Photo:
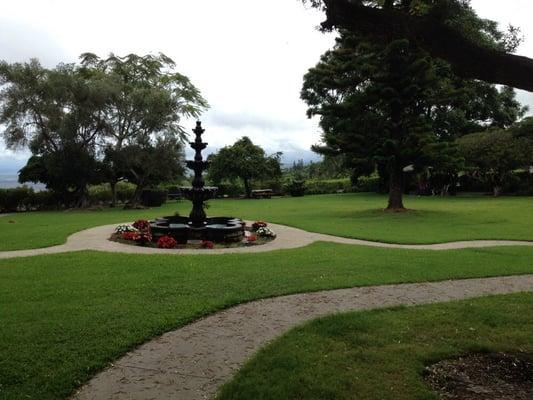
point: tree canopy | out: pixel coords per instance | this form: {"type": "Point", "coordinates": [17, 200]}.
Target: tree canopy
{"type": "Point", "coordinates": [243, 160]}
{"type": "Point", "coordinates": [77, 118]}
{"type": "Point", "coordinates": [493, 155]}
{"type": "Point", "coordinates": [446, 29]}
{"type": "Point", "coordinates": [394, 107]}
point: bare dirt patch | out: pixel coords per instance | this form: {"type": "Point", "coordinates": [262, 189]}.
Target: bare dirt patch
{"type": "Point", "coordinates": [496, 376]}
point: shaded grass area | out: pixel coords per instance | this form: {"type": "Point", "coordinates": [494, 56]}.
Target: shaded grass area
{"type": "Point", "coordinates": [64, 317]}
{"type": "Point", "coordinates": [382, 354]}
{"type": "Point", "coordinates": [432, 220]}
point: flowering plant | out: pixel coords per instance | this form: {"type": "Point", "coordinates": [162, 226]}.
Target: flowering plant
{"type": "Point", "coordinates": [265, 232]}
{"type": "Point", "coordinates": [166, 242]}
{"type": "Point", "coordinates": [251, 238]}
{"type": "Point", "coordinates": [139, 237]}
{"type": "Point", "coordinates": [258, 224]}
{"type": "Point", "coordinates": [125, 228]}
{"type": "Point", "coordinates": [142, 225]}
{"type": "Point", "coordinates": [207, 244]}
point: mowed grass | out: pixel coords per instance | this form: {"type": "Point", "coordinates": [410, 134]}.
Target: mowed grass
{"type": "Point", "coordinates": [66, 316]}
{"type": "Point", "coordinates": [382, 354]}
{"type": "Point", "coordinates": [431, 220]}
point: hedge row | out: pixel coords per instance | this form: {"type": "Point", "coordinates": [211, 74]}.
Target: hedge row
{"type": "Point", "coordinates": [25, 198]}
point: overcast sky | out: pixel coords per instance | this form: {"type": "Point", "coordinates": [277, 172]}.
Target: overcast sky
{"type": "Point", "coordinates": [247, 57]}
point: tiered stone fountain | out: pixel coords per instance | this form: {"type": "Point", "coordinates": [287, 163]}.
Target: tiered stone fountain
{"type": "Point", "coordinates": [198, 226]}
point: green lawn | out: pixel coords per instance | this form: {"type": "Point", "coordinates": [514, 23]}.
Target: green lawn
{"type": "Point", "coordinates": [381, 354]}
{"type": "Point", "coordinates": [352, 215]}
{"type": "Point", "coordinates": [64, 317]}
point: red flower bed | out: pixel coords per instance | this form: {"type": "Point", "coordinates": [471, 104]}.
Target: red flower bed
{"type": "Point", "coordinates": [251, 238]}
{"type": "Point", "coordinates": [142, 225]}
{"type": "Point", "coordinates": [206, 244]}
{"type": "Point", "coordinates": [139, 237]}
{"type": "Point", "coordinates": [166, 242]}
{"type": "Point", "coordinates": [258, 224]}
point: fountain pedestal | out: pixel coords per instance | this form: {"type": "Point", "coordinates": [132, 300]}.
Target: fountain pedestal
{"type": "Point", "coordinates": [198, 226]}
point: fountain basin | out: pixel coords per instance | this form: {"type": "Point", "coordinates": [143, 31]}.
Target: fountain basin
{"type": "Point", "coordinates": [215, 229]}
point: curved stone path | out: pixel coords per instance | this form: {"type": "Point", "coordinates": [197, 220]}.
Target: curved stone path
{"type": "Point", "coordinates": [287, 238]}
{"type": "Point", "coordinates": [194, 361]}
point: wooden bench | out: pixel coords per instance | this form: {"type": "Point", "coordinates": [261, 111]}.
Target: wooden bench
{"type": "Point", "coordinates": [262, 193]}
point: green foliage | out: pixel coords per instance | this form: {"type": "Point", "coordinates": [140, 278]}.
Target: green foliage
{"type": "Point", "coordinates": [368, 183]}
{"type": "Point", "coordinates": [389, 103]}
{"type": "Point", "coordinates": [243, 160]}
{"type": "Point", "coordinates": [493, 155]}
{"type": "Point", "coordinates": [12, 200]}
{"type": "Point", "coordinates": [70, 114]}
{"type": "Point", "coordinates": [153, 197]}
{"type": "Point", "coordinates": [57, 113]}
{"type": "Point", "coordinates": [296, 188]}
{"type": "Point", "coordinates": [326, 186]}
{"type": "Point", "coordinates": [148, 163]}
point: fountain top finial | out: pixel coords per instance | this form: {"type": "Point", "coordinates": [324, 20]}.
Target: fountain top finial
{"type": "Point", "coordinates": [198, 130]}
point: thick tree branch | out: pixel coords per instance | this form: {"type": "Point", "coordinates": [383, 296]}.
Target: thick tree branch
{"type": "Point", "coordinates": [468, 59]}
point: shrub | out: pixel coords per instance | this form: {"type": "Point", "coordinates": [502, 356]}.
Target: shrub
{"type": "Point", "coordinates": [125, 191]}
{"type": "Point", "coordinates": [368, 184]}
{"type": "Point", "coordinates": [166, 242]}
{"type": "Point", "coordinates": [327, 186]}
{"type": "Point", "coordinates": [153, 197]}
{"type": "Point", "coordinates": [43, 200]}
{"type": "Point", "coordinates": [99, 194]}
{"type": "Point", "coordinates": [15, 199]}
{"type": "Point", "coordinates": [296, 188]}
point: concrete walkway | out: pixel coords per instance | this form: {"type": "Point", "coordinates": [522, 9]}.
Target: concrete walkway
{"type": "Point", "coordinates": [194, 361]}
{"type": "Point", "coordinates": [287, 238]}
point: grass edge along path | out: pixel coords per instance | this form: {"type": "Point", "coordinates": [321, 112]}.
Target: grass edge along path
{"type": "Point", "coordinates": [360, 216]}
{"type": "Point", "coordinates": [67, 316]}
{"type": "Point", "coordinates": [382, 354]}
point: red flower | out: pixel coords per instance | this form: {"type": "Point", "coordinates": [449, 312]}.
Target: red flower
{"type": "Point", "coordinates": [130, 235]}
{"type": "Point", "coordinates": [139, 237]}
{"type": "Point", "coordinates": [142, 225]}
{"type": "Point", "coordinates": [251, 238]}
{"type": "Point", "coordinates": [166, 242]}
{"type": "Point", "coordinates": [206, 244]}
{"type": "Point", "coordinates": [258, 224]}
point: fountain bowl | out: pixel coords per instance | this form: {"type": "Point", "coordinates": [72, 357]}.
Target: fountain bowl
{"type": "Point", "coordinates": [215, 229]}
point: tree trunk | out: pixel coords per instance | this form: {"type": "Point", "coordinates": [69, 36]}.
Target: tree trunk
{"type": "Point", "coordinates": [497, 190]}
{"type": "Point", "coordinates": [82, 197]}
{"type": "Point", "coordinates": [247, 188]}
{"type": "Point", "coordinates": [113, 185]}
{"type": "Point", "coordinates": [396, 190]}
{"type": "Point", "coordinates": [136, 199]}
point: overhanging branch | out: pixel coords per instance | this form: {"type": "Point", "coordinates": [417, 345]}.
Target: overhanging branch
{"type": "Point", "coordinates": [468, 59]}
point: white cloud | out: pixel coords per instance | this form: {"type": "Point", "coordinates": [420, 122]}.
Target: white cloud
{"type": "Point", "coordinates": [247, 57]}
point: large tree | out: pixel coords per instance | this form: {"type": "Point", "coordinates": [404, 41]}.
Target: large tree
{"type": "Point", "coordinates": [243, 160]}
{"type": "Point", "coordinates": [446, 29]}
{"type": "Point", "coordinates": [58, 114]}
{"type": "Point", "coordinates": [148, 98]}
{"type": "Point", "coordinates": [73, 115]}
{"type": "Point", "coordinates": [493, 155]}
{"type": "Point", "coordinates": [394, 107]}
{"type": "Point", "coordinates": [147, 163]}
